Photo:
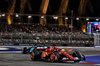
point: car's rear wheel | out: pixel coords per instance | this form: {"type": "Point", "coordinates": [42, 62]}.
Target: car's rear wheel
{"type": "Point", "coordinates": [35, 55]}
{"type": "Point", "coordinates": [57, 56]}
{"type": "Point", "coordinates": [52, 57]}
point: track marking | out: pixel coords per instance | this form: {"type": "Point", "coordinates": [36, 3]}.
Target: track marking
{"type": "Point", "coordinates": [97, 64]}
{"type": "Point", "coordinates": [61, 63]}
{"type": "Point", "coordinates": [89, 63]}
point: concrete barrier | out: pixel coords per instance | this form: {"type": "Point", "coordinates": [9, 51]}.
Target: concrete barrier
{"type": "Point", "coordinates": [18, 49]}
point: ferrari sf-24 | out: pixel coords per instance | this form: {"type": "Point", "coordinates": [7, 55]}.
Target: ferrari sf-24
{"type": "Point", "coordinates": [56, 54]}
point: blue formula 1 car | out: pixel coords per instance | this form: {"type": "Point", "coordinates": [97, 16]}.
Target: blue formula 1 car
{"type": "Point", "coordinates": [30, 49]}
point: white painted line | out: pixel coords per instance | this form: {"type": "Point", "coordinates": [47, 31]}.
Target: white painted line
{"type": "Point", "coordinates": [61, 64]}
{"type": "Point", "coordinates": [97, 64]}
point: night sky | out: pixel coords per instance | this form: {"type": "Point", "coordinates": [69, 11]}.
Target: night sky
{"type": "Point", "coordinates": [53, 6]}
{"type": "Point", "coordinates": [96, 6]}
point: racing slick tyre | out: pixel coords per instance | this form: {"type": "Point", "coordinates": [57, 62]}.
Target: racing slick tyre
{"type": "Point", "coordinates": [54, 57]}
{"type": "Point", "coordinates": [77, 54]}
{"type": "Point", "coordinates": [35, 55]}
{"type": "Point", "coordinates": [57, 56]}
{"type": "Point", "coordinates": [25, 50]}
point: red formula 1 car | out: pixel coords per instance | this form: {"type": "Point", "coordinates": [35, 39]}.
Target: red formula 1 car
{"type": "Point", "coordinates": [57, 54]}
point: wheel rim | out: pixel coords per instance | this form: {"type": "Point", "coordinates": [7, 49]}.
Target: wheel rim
{"type": "Point", "coordinates": [56, 58]}
{"type": "Point", "coordinates": [52, 57]}
{"type": "Point", "coordinates": [32, 55]}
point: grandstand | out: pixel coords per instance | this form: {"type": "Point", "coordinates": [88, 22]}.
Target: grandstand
{"type": "Point", "coordinates": [50, 34]}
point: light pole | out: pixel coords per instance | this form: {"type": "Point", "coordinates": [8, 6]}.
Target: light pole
{"type": "Point", "coordinates": [29, 18]}
{"type": "Point", "coordinates": [71, 24]}
{"type": "Point", "coordinates": [42, 17]}
{"type": "Point", "coordinates": [55, 17]}
{"type": "Point", "coordinates": [71, 21]}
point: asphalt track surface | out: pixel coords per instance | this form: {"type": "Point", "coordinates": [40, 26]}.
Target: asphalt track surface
{"type": "Point", "coordinates": [24, 60]}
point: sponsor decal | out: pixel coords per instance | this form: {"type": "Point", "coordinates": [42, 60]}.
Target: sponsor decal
{"type": "Point", "coordinates": [3, 48]}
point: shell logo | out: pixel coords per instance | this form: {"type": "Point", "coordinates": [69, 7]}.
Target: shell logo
{"type": "Point", "coordinates": [44, 55]}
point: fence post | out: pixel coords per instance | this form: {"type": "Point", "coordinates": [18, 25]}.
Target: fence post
{"type": "Point", "coordinates": [11, 37]}
{"type": "Point", "coordinates": [21, 38]}
{"type": "Point", "coordinates": [0, 36]}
